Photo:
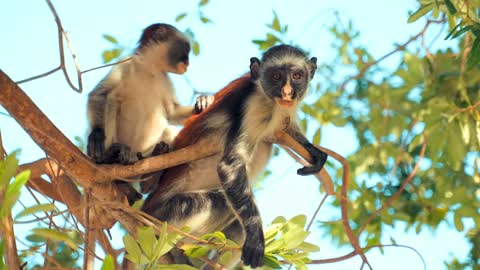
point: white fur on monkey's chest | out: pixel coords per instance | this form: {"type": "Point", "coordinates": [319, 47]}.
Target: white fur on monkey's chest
{"type": "Point", "coordinates": [261, 120]}
{"type": "Point", "coordinates": [142, 114]}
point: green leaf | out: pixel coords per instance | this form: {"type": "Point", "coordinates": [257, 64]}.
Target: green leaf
{"type": "Point", "coordinates": [180, 16]}
{"type": "Point", "coordinates": [2, 250]}
{"type": "Point", "coordinates": [308, 247]}
{"type": "Point", "coordinates": [147, 240]}
{"type": "Point", "coordinates": [110, 38]}
{"type": "Point", "coordinates": [451, 8]}
{"type": "Point", "coordinates": [175, 267]}
{"type": "Point", "coordinates": [455, 147]}
{"type": "Point", "coordinates": [134, 253]}
{"type": "Point", "coordinates": [196, 48]}
{"type": "Point", "coordinates": [225, 258]}
{"type": "Point", "coordinates": [453, 31]}
{"type": "Point", "coordinates": [276, 23]}
{"type": "Point", "coordinates": [477, 131]}
{"type": "Point", "coordinates": [13, 192]}
{"type": "Point", "coordinates": [55, 235]}
{"type": "Point", "coordinates": [316, 137]}
{"type": "Point", "coordinates": [294, 238]}
{"type": "Point", "coordinates": [461, 31]}
{"type": "Point", "coordinates": [299, 220]}
{"type": "Point", "coordinates": [216, 235]}
{"type": "Point", "coordinates": [420, 12]}
{"type": "Point", "coordinates": [457, 219]}
{"type": "Point", "coordinates": [474, 56]}
{"type": "Point", "coordinates": [47, 207]}
{"type": "Point", "coordinates": [112, 54]}
{"type": "Point", "coordinates": [108, 263]}
{"type": "Point", "coordinates": [197, 251]}
{"type": "Point", "coordinates": [303, 125]}
{"type": "Point", "coordinates": [36, 238]}
{"type": "Point", "coordinates": [279, 219]}
{"type": "Point", "coordinates": [272, 262]}
{"type": "Point", "coordinates": [8, 168]}
{"type": "Point", "coordinates": [205, 19]}
{"type": "Point", "coordinates": [203, 2]}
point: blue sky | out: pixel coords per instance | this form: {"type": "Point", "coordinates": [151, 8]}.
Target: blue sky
{"type": "Point", "coordinates": [29, 47]}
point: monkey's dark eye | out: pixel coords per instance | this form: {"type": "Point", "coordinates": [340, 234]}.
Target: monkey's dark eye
{"type": "Point", "coordinates": [276, 76]}
{"type": "Point", "coordinates": [297, 75]}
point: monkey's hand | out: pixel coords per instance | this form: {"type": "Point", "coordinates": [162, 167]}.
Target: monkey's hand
{"type": "Point", "coordinates": [96, 145]}
{"type": "Point", "coordinates": [319, 159]}
{"type": "Point", "coordinates": [202, 103]}
{"type": "Point", "coordinates": [253, 249]}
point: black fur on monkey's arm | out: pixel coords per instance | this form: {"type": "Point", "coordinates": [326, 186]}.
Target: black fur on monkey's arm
{"type": "Point", "coordinates": [318, 156]}
{"type": "Point", "coordinates": [233, 177]}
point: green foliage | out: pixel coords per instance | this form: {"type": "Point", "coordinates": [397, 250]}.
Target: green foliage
{"type": "Point", "coordinates": [2, 251]}
{"type": "Point", "coordinates": [431, 99]}
{"type": "Point", "coordinates": [461, 16]}
{"type": "Point", "coordinates": [108, 263]}
{"type": "Point", "coordinates": [115, 52]}
{"type": "Point", "coordinates": [66, 237]}
{"type": "Point", "coordinates": [10, 190]}
{"type": "Point", "coordinates": [285, 240]}
{"type": "Point", "coordinates": [47, 207]}
{"type": "Point", "coordinates": [146, 250]}
{"type": "Point", "coordinates": [276, 35]}
{"type": "Point", "coordinates": [60, 253]}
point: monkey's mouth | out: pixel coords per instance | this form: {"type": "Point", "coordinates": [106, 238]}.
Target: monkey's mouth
{"type": "Point", "coordinates": [284, 103]}
{"type": "Point", "coordinates": [182, 67]}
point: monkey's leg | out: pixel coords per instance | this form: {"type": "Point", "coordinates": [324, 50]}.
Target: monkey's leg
{"type": "Point", "coordinates": [120, 153]}
{"type": "Point", "coordinates": [151, 179]}
{"type": "Point", "coordinates": [202, 212]}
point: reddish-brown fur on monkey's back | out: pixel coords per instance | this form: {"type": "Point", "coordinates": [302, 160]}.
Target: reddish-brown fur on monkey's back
{"type": "Point", "coordinates": [193, 125]}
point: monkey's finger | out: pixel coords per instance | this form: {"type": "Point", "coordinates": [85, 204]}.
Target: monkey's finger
{"type": "Point", "coordinates": [308, 170]}
{"type": "Point", "coordinates": [198, 108]}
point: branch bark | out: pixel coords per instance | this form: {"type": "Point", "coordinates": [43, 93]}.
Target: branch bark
{"type": "Point", "coordinates": [8, 235]}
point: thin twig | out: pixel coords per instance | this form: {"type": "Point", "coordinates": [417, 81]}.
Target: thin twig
{"type": "Point", "coordinates": [316, 212]}
{"type": "Point", "coordinates": [107, 65]}
{"type": "Point", "coordinates": [40, 75]}
{"type": "Point", "coordinates": [344, 203]}
{"type": "Point", "coordinates": [62, 66]}
{"type": "Point", "coordinates": [399, 48]}
{"type": "Point", "coordinates": [353, 254]}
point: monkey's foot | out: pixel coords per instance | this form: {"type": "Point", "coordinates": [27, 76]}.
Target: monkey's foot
{"type": "Point", "coordinates": [118, 153]}
{"type": "Point", "coordinates": [126, 189]}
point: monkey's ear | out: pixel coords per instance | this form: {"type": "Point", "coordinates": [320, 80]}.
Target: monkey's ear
{"type": "Point", "coordinates": [312, 65]}
{"type": "Point", "coordinates": [254, 68]}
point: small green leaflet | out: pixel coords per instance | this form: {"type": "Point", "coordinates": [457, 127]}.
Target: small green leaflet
{"type": "Point", "coordinates": [420, 12]}
{"type": "Point", "coordinates": [108, 263]}
{"type": "Point", "coordinates": [36, 208]}
{"type": "Point", "coordinates": [110, 38]}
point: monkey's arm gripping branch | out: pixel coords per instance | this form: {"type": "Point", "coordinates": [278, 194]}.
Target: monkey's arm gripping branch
{"type": "Point", "coordinates": [284, 139]}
